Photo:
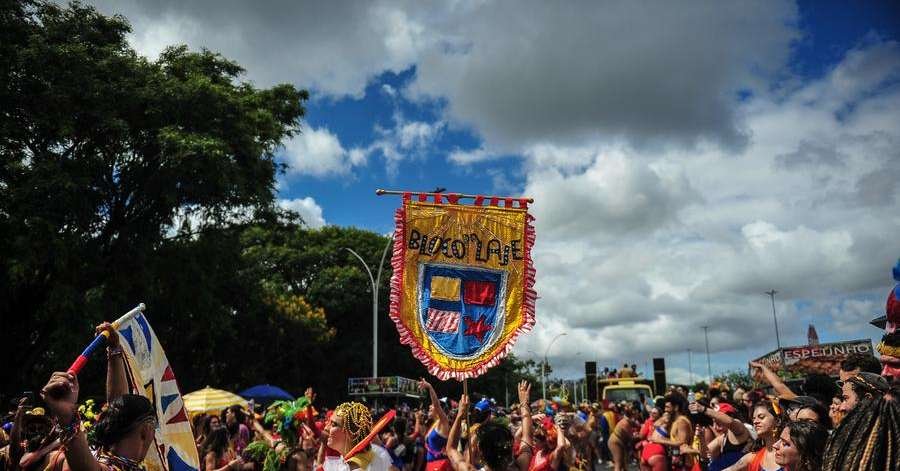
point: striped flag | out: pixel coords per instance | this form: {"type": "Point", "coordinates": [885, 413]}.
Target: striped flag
{"type": "Point", "coordinates": [150, 375]}
{"type": "Point", "coordinates": [442, 321]}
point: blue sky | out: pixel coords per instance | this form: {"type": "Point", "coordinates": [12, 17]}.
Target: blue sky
{"type": "Point", "coordinates": [684, 159]}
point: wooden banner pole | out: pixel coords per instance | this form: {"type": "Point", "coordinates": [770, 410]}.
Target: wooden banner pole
{"type": "Point", "coordinates": [381, 192]}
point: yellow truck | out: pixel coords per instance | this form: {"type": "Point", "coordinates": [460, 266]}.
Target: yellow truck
{"type": "Point", "coordinates": [625, 389]}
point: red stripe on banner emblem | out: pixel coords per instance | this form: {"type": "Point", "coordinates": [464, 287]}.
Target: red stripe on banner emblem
{"type": "Point", "coordinates": [442, 321]}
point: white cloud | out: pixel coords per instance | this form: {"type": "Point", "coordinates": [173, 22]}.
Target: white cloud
{"type": "Point", "coordinates": [664, 73]}
{"type": "Point", "coordinates": [307, 208]}
{"type": "Point", "coordinates": [318, 152]}
{"type": "Point", "coordinates": [469, 156]}
{"type": "Point", "coordinates": [515, 72]}
{"type": "Point", "coordinates": [332, 47]}
{"type": "Point", "coordinates": [638, 249]}
{"type": "Point", "coordinates": [406, 139]}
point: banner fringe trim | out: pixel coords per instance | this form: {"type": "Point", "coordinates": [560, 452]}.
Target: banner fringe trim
{"type": "Point", "coordinates": [406, 337]}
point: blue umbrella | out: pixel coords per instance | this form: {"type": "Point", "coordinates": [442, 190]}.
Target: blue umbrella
{"type": "Point", "coordinates": [263, 392]}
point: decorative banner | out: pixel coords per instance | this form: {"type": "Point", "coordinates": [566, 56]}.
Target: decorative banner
{"type": "Point", "coordinates": [824, 358]}
{"type": "Point", "coordinates": [462, 289]}
{"type": "Point", "coordinates": [150, 375]}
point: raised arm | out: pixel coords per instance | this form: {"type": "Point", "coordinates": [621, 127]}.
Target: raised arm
{"type": "Point", "coordinates": [417, 427]}
{"type": "Point", "coordinates": [61, 396]}
{"type": "Point", "coordinates": [16, 450]}
{"type": "Point", "coordinates": [116, 381]}
{"type": "Point", "coordinates": [735, 426]}
{"type": "Point", "coordinates": [262, 432]}
{"type": "Point", "coordinates": [523, 460]}
{"type": "Point", "coordinates": [561, 445]}
{"type": "Point", "coordinates": [443, 426]}
{"type": "Point", "coordinates": [457, 460]}
{"type": "Point", "coordinates": [774, 380]}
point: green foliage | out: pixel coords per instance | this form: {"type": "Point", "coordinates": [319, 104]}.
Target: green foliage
{"type": "Point", "coordinates": [735, 379]}
{"type": "Point", "coordinates": [261, 453]}
{"type": "Point", "coordinates": [101, 153]}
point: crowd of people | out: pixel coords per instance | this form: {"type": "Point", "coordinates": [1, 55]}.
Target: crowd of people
{"type": "Point", "coordinates": [849, 424]}
{"type": "Point", "coordinates": [625, 372]}
{"type": "Point", "coordinates": [852, 423]}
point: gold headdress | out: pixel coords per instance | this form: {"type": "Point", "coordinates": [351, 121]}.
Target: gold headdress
{"type": "Point", "coordinates": [357, 420]}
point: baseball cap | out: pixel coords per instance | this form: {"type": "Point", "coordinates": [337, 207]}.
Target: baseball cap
{"type": "Point", "coordinates": [726, 408]}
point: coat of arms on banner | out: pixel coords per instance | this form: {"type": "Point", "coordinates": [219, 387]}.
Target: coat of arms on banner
{"type": "Point", "coordinates": [462, 289]}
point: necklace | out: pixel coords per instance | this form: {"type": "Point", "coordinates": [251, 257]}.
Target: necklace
{"type": "Point", "coordinates": [119, 462]}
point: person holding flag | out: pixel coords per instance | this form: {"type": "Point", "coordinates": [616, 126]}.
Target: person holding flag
{"type": "Point", "coordinates": [125, 431]}
{"type": "Point", "coordinates": [145, 425]}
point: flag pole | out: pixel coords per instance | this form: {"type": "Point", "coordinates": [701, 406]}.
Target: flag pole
{"type": "Point", "coordinates": [382, 192]}
{"type": "Point", "coordinates": [82, 359]}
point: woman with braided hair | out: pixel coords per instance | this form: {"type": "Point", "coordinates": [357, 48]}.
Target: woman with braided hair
{"type": "Point", "coordinates": [348, 426]}
{"type": "Point", "coordinates": [867, 438]}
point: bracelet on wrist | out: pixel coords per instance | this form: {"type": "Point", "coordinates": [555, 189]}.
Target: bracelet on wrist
{"type": "Point", "coordinates": [66, 432]}
{"type": "Point", "coordinates": [113, 352]}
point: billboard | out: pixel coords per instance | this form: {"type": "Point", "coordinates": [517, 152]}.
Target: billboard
{"type": "Point", "coordinates": [824, 358]}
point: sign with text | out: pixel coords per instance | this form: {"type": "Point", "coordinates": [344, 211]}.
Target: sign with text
{"type": "Point", "coordinates": [824, 358]}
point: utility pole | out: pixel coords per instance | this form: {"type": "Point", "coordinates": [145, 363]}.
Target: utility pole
{"type": "Point", "coordinates": [690, 366]}
{"type": "Point", "coordinates": [708, 364]}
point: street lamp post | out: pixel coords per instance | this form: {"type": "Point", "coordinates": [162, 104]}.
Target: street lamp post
{"type": "Point", "coordinates": [376, 283]}
{"type": "Point", "coordinates": [575, 383]}
{"type": "Point", "coordinates": [771, 294]}
{"type": "Point", "coordinates": [690, 366]}
{"type": "Point", "coordinates": [544, 366]}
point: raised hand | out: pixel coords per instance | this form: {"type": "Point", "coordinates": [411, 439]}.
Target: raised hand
{"type": "Point", "coordinates": [696, 408]}
{"type": "Point", "coordinates": [113, 340]}
{"type": "Point", "coordinates": [61, 395]}
{"type": "Point", "coordinates": [525, 393]}
{"type": "Point", "coordinates": [310, 394]}
{"type": "Point", "coordinates": [423, 384]}
{"type": "Point", "coordinates": [463, 403]}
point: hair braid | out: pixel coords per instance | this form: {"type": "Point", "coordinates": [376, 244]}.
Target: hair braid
{"type": "Point", "coordinates": [865, 438]}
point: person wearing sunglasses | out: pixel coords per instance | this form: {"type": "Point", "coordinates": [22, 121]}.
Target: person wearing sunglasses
{"type": "Point", "coordinates": [806, 408]}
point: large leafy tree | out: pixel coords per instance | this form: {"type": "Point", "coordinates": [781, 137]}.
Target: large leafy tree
{"type": "Point", "coordinates": [124, 179]}
{"type": "Point", "coordinates": [102, 153]}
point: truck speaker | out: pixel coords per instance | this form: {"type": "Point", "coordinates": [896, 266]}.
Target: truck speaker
{"type": "Point", "coordinates": [590, 374]}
